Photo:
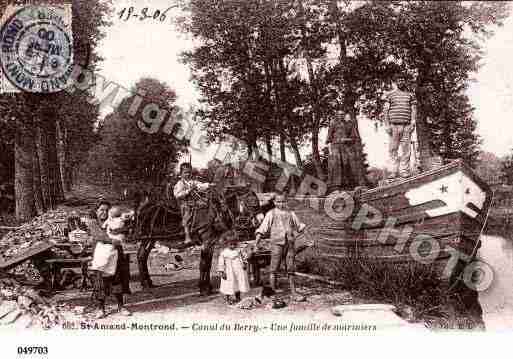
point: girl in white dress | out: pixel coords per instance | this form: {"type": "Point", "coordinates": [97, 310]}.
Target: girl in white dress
{"type": "Point", "coordinates": [232, 267]}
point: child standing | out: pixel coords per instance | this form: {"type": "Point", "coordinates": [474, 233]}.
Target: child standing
{"type": "Point", "coordinates": [116, 227]}
{"type": "Point", "coordinates": [280, 225]}
{"type": "Point", "coordinates": [232, 267]}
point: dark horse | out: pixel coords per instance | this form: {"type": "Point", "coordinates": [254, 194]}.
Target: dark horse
{"type": "Point", "coordinates": [215, 213]}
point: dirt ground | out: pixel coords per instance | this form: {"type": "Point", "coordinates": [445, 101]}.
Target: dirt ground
{"type": "Point", "coordinates": [176, 303]}
{"type": "Point", "coordinates": [177, 293]}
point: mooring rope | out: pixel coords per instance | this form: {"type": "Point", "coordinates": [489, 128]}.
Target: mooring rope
{"type": "Point", "coordinates": [474, 251]}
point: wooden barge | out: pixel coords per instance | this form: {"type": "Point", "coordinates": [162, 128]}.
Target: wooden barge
{"type": "Point", "coordinates": [426, 218]}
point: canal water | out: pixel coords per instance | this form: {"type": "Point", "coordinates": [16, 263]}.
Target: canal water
{"type": "Point", "coordinates": [497, 300]}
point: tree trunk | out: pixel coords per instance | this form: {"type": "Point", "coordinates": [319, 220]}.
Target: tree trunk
{"type": "Point", "coordinates": [283, 154]}
{"type": "Point", "coordinates": [423, 137]}
{"type": "Point", "coordinates": [38, 196]}
{"type": "Point", "coordinates": [269, 147]}
{"type": "Point", "coordinates": [297, 154]}
{"type": "Point", "coordinates": [273, 103]}
{"type": "Point", "coordinates": [314, 100]}
{"type": "Point", "coordinates": [23, 167]}
{"type": "Point", "coordinates": [62, 154]}
{"type": "Point", "coordinates": [316, 157]}
{"type": "Point", "coordinates": [42, 155]}
{"type": "Point", "coordinates": [249, 148]}
{"type": "Point", "coordinates": [56, 189]}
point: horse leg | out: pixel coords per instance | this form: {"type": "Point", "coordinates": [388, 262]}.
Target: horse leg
{"type": "Point", "coordinates": [142, 261]}
{"type": "Point", "coordinates": [206, 256]}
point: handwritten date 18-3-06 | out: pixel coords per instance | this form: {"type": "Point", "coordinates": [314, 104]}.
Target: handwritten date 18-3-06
{"type": "Point", "coordinates": [131, 13]}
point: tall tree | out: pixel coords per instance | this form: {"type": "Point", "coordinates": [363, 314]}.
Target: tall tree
{"type": "Point", "coordinates": [37, 114]}
{"type": "Point", "coordinates": [439, 46]}
{"type": "Point", "coordinates": [269, 68]}
{"type": "Point", "coordinates": [24, 154]}
{"type": "Point", "coordinates": [134, 145]}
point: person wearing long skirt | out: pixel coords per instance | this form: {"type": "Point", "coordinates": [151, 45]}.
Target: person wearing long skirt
{"type": "Point", "coordinates": [232, 267]}
{"type": "Point", "coordinates": [107, 284]}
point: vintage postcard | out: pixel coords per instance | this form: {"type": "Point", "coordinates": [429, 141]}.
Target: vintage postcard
{"type": "Point", "coordinates": [253, 168]}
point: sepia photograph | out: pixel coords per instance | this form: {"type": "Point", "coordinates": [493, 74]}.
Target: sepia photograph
{"type": "Point", "coordinates": [254, 168]}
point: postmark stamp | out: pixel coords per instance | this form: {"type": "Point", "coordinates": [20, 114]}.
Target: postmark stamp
{"type": "Point", "coordinates": [36, 49]}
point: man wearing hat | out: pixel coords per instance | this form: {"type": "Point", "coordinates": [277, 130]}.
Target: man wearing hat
{"type": "Point", "coordinates": [182, 192]}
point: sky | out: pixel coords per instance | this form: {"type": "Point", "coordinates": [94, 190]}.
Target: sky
{"type": "Point", "coordinates": [133, 49]}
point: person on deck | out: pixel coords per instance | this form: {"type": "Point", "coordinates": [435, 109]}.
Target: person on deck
{"type": "Point", "coordinates": [400, 117]}
{"type": "Point", "coordinates": [183, 193]}
{"type": "Point", "coordinates": [344, 170]}
{"type": "Point", "coordinates": [280, 224]}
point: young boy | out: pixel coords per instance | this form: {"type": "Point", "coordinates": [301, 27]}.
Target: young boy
{"type": "Point", "coordinates": [182, 192]}
{"type": "Point", "coordinates": [280, 224]}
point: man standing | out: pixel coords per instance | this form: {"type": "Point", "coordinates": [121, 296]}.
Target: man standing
{"type": "Point", "coordinates": [182, 192]}
{"type": "Point", "coordinates": [220, 177]}
{"type": "Point", "coordinates": [400, 117]}
{"type": "Point", "coordinates": [280, 224]}
{"type": "Point", "coordinates": [342, 140]}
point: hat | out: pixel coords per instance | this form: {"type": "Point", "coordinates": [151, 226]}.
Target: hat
{"type": "Point", "coordinates": [280, 197]}
{"type": "Point", "coordinates": [184, 166]}
{"type": "Point", "coordinates": [232, 240]}
{"type": "Point", "coordinates": [398, 77]}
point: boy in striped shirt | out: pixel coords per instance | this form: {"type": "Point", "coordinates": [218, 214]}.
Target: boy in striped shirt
{"type": "Point", "coordinates": [400, 117]}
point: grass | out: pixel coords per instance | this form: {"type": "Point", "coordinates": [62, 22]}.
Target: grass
{"type": "Point", "coordinates": [415, 289]}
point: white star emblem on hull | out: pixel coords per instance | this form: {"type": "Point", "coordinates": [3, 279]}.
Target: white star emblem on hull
{"type": "Point", "coordinates": [459, 190]}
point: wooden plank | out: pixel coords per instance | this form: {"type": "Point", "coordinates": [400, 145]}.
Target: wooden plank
{"type": "Point", "coordinates": [68, 260]}
{"type": "Point", "coordinates": [7, 228]}
{"type": "Point", "coordinates": [168, 237]}
{"type": "Point", "coordinates": [420, 223]}
{"type": "Point", "coordinates": [25, 255]}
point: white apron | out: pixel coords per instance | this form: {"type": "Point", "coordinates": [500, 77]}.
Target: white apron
{"type": "Point", "coordinates": [105, 259]}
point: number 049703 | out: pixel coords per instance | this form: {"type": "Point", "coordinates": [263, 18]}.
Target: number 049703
{"type": "Point", "coordinates": [32, 350]}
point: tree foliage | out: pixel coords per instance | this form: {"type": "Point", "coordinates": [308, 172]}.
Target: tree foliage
{"type": "Point", "coordinates": [269, 68]}
{"type": "Point", "coordinates": [128, 152]}
{"type": "Point", "coordinates": [438, 46]}
{"type": "Point", "coordinates": [507, 169]}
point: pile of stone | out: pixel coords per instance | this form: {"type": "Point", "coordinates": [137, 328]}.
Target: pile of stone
{"type": "Point", "coordinates": [48, 227]}
{"type": "Point", "coordinates": [23, 307]}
